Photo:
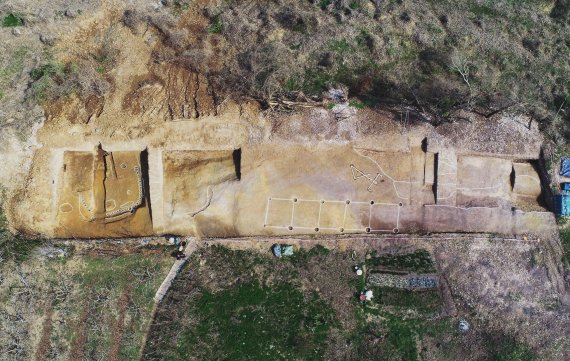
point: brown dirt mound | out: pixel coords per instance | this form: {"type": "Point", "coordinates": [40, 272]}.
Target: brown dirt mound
{"type": "Point", "coordinates": [171, 92]}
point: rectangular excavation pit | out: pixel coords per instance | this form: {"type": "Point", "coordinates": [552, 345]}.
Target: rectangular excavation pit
{"type": "Point", "coordinates": [190, 179]}
{"type": "Point", "coordinates": [483, 181]}
{"type": "Point", "coordinates": [527, 186]}
{"type": "Point", "coordinates": [357, 217]}
{"type": "Point", "coordinates": [103, 194]}
{"type": "Point", "coordinates": [279, 213]}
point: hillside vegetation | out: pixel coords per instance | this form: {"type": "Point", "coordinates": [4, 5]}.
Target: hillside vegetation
{"type": "Point", "coordinates": [437, 56]}
{"type": "Point", "coordinates": [63, 301]}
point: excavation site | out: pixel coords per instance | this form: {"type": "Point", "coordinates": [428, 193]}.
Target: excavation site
{"type": "Point", "coordinates": [285, 180]}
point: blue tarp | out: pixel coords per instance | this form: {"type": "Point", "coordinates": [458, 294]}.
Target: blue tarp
{"type": "Point", "coordinates": [565, 167]}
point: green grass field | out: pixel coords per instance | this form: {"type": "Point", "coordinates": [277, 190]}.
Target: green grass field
{"type": "Point", "coordinates": [238, 305]}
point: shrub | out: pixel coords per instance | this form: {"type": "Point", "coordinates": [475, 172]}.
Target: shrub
{"type": "Point", "coordinates": [357, 104]}
{"type": "Point", "coordinates": [84, 77]}
{"type": "Point", "coordinates": [179, 6]}
{"type": "Point", "coordinates": [12, 20]}
{"type": "Point", "coordinates": [46, 70]}
{"type": "Point", "coordinates": [45, 80]}
{"type": "Point", "coordinates": [323, 4]}
{"type": "Point", "coordinates": [354, 5]}
{"type": "Point", "coordinates": [508, 349]}
{"type": "Point", "coordinates": [14, 247]}
{"type": "Point", "coordinates": [216, 25]}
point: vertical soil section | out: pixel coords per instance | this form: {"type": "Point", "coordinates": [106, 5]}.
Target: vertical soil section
{"type": "Point", "coordinates": [146, 182]}
{"type": "Point", "coordinates": [99, 194]}
{"type": "Point", "coordinates": [237, 162]}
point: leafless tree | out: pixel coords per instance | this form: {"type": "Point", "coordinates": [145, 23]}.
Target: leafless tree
{"type": "Point", "coordinates": [463, 66]}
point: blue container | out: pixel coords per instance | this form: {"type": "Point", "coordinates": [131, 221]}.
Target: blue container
{"type": "Point", "coordinates": [565, 186]}
{"type": "Point", "coordinates": [565, 167]}
{"type": "Point", "coordinates": [562, 205]}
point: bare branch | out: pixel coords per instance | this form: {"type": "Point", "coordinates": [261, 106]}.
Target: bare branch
{"type": "Point", "coordinates": [462, 66]}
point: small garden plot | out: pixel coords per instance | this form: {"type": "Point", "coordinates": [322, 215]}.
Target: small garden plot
{"type": "Point", "coordinates": [419, 261]}
{"type": "Point", "coordinates": [425, 301]}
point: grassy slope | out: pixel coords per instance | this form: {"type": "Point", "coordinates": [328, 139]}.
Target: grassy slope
{"type": "Point", "coordinates": [399, 51]}
{"type": "Point", "coordinates": [79, 305]}
{"type": "Point", "coordinates": [11, 66]}
{"type": "Point", "coordinates": [439, 56]}
{"type": "Point", "coordinates": [565, 240]}
{"type": "Point", "coordinates": [236, 305]}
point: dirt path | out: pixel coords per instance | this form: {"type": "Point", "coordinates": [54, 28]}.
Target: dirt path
{"type": "Point", "coordinates": [358, 242]}
{"type": "Point", "coordinates": [78, 346]}
{"type": "Point", "coordinates": [45, 341]}
{"type": "Point", "coordinates": [191, 246]}
{"type": "Point", "coordinates": [555, 269]}
{"type": "Point", "coordinates": [119, 328]}
{"type": "Point", "coordinates": [448, 304]}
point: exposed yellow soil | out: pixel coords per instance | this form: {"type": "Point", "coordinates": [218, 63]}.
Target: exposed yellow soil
{"type": "Point", "coordinates": [159, 105]}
